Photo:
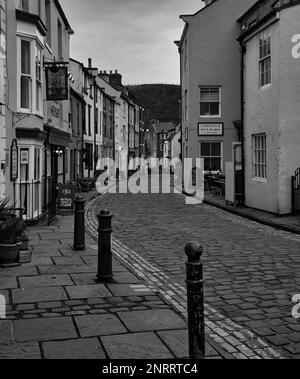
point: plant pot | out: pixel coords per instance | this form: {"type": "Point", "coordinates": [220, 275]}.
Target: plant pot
{"type": "Point", "coordinates": [24, 245]}
{"type": "Point", "coordinates": [9, 253]}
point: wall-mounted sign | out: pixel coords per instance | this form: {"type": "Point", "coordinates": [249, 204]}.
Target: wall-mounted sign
{"type": "Point", "coordinates": [57, 83]}
{"type": "Point", "coordinates": [24, 157]}
{"type": "Point", "coordinates": [14, 155]}
{"type": "Point", "coordinates": [210, 129]}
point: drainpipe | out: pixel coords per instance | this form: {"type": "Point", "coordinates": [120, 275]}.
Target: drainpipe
{"type": "Point", "coordinates": [242, 132]}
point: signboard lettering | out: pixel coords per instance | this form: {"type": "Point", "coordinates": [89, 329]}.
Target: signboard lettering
{"type": "Point", "coordinates": [66, 197]}
{"type": "Point", "coordinates": [211, 129]}
{"type": "Point", "coordinates": [57, 83]}
{"type": "Point", "coordinates": [14, 160]}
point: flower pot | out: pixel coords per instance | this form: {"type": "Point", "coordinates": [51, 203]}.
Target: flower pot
{"type": "Point", "coordinates": [9, 253]}
{"type": "Point", "coordinates": [24, 245]}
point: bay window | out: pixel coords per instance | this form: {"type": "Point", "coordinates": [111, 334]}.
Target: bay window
{"type": "Point", "coordinates": [30, 76]}
{"type": "Point", "coordinates": [38, 78]}
{"type": "Point", "coordinates": [26, 75]}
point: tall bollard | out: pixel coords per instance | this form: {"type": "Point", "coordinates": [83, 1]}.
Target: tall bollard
{"type": "Point", "coordinates": [105, 274]}
{"type": "Point", "coordinates": [79, 225]}
{"type": "Point", "coordinates": [195, 295]}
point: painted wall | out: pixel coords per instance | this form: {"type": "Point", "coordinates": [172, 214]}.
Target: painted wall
{"type": "Point", "coordinates": [213, 59]}
{"type": "Point", "coordinates": [54, 114]}
{"type": "Point", "coordinates": [261, 116]}
{"type": "Point", "coordinates": [2, 96]}
{"type": "Point", "coordinates": [289, 110]}
{"type": "Point", "coordinates": [274, 110]}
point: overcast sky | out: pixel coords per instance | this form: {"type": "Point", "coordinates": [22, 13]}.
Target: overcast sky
{"type": "Point", "coordinates": [134, 36]}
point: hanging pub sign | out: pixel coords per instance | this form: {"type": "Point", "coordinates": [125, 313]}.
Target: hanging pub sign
{"type": "Point", "coordinates": [56, 83]}
{"type": "Point", "coordinates": [14, 155]}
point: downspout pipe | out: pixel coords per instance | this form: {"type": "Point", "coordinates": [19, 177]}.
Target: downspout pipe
{"type": "Point", "coordinates": [242, 131]}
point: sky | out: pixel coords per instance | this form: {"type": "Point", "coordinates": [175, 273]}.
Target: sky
{"type": "Point", "coordinates": [134, 36]}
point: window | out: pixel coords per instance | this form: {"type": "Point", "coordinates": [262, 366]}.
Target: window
{"type": "Point", "coordinates": [48, 21]}
{"type": "Point", "coordinates": [259, 149]}
{"type": "Point", "coordinates": [37, 164]}
{"type": "Point", "coordinates": [96, 120]}
{"type": "Point", "coordinates": [24, 5]}
{"type": "Point", "coordinates": [38, 78]}
{"type": "Point", "coordinates": [26, 79]}
{"type": "Point", "coordinates": [212, 154]}
{"type": "Point", "coordinates": [88, 156]}
{"type": "Point", "coordinates": [71, 116]}
{"type": "Point", "coordinates": [60, 42]}
{"type": "Point", "coordinates": [30, 92]}
{"type": "Point", "coordinates": [78, 119]}
{"type": "Point", "coordinates": [265, 59]}
{"type": "Point", "coordinates": [210, 101]}
{"type": "Point", "coordinates": [90, 120]}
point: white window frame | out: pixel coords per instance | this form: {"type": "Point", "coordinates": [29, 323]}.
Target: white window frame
{"type": "Point", "coordinates": [33, 107]}
{"type": "Point", "coordinates": [222, 153]}
{"type": "Point", "coordinates": [259, 157]}
{"type": "Point", "coordinates": [39, 83]}
{"type": "Point", "coordinates": [265, 36]}
{"type": "Point", "coordinates": [220, 101]}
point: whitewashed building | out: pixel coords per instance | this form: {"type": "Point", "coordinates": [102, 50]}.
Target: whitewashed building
{"type": "Point", "coordinates": [2, 96]}
{"type": "Point", "coordinates": [271, 51]}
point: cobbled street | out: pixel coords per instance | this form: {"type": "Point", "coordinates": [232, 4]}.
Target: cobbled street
{"type": "Point", "coordinates": [251, 271]}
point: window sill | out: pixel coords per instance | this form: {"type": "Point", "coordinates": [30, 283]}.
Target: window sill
{"type": "Point", "coordinates": [211, 117]}
{"type": "Point", "coordinates": [260, 180]}
{"type": "Point", "coordinates": [266, 86]}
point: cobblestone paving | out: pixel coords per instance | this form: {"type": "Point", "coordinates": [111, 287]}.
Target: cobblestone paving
{"type": "Point", "coordinates": [56, 308]}
{"type": "Point", "coordinates": [251, 271]}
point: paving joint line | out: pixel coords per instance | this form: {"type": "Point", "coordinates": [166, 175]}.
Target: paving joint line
{"type": "Point", "coordinates": [163, 281]}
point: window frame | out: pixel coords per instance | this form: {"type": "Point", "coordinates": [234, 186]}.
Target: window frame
{"type": "Point", "coordinates": [259, 157]}
{"type": "Point", "coordinates": [36, 83]}
{"type": "Point", "coordinates": [221, 157]}
{"type": "Point", "coordinates": [265, 76]}
{"type": "Point", "coordinates": [219, 115]}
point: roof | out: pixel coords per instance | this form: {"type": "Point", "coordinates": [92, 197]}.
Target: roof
{"type": "Point", "coordinates": [63, 16]}
{"type": "Point", "coordinates": [164, 127]}
{"type": "Point", "coordinates": [186, 18]}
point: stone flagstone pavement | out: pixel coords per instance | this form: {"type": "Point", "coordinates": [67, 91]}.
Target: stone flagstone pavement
{"type": "Point", "coordinates": [55, 308]}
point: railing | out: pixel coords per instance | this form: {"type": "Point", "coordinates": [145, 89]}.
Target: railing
{"type": "Point", "coordinates": [296, 192]}
{"type": "Point", "coordinates": [28, 197]}
{"type": "Point", "coordinates": [36, 200]}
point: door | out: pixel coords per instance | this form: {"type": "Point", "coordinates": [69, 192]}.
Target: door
{"type": "Point", "coordinates": [53, 188]}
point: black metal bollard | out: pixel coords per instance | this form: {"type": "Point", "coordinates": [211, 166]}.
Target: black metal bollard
{"type": "Point", "coordinates": [105, 274]}
{"type": "Point", "coordinates": [195, 295]}
{"type": "Point", "coordinates": [79, 225]}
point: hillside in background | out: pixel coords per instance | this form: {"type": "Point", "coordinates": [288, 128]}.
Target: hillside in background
{"type": "Point", "coordinates": [160, 100]}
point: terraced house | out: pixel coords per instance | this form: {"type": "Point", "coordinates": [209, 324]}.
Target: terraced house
{"type": "Point", "coordinates": [270, 44]}
{"type": "Point", "coordinates": [210, 82]}
{"type": "Point", "coordinates": [38, 34]}
{"type": "Point", "coordinates": [3, 94]}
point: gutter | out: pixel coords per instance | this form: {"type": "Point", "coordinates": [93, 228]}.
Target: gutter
{"type": "Point", "coordinates": [243, 51]}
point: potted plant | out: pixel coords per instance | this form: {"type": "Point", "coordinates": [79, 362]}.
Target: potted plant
{"type": "Point", "coordinates": [23, 240]}
{"type": "Point", "coordinates": [10, 228]}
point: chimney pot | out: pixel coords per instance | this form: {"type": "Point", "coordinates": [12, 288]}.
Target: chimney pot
{"type": "Point", "coordinates": [90, 62]}
{"type": "Point", "coordinates": [110, 72]}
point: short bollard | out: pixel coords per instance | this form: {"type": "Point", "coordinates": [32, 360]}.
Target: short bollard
{"type": "Point", "coordinates": [79, 225]}
{"type": "Point", "coordinates": [105, 274]}
{"type": "Point", "coordinates": [195, 297]}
